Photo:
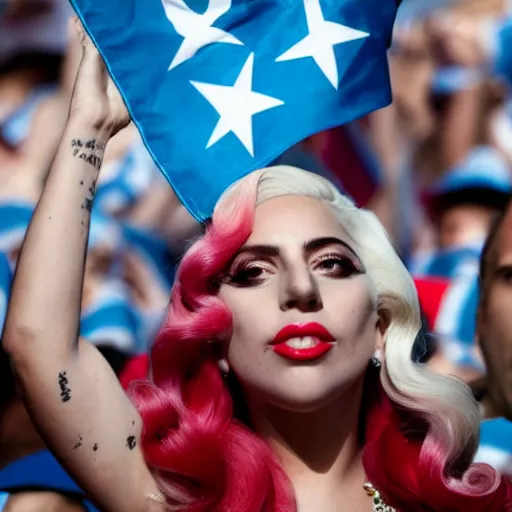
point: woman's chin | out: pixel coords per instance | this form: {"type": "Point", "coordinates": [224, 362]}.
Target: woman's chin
{"type": "Point", "coordinates": [303, 401]}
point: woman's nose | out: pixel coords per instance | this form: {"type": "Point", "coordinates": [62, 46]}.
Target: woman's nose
{"type": "Point", "coordinates": [300, 291]}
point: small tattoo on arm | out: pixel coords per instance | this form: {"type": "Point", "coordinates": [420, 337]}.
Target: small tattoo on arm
{"type": "Point", "coordinates": [89, 201]}
{"type": "Point", "coordinates": [131, 443]}
{"type": "Point", "coordinates": [79, 441]}
{"type": "Point", "coordinates": [92, 144]}
{"type": "Point", "coordinates": [89, 150]}
{"type": "Point", "coordinates": [65, 391]}
{"type": "Point", "coordinates": [88, 204]}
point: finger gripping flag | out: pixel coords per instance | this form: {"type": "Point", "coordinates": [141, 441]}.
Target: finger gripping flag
{"type": "Point", "coordinates": [218, 88]}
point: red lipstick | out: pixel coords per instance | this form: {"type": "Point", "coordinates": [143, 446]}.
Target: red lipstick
{"type": "Point", "coordinates": [322, 337]}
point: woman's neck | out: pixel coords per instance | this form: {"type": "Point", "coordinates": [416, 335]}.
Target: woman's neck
{"type": "Point", "coordinates": [320, 451]}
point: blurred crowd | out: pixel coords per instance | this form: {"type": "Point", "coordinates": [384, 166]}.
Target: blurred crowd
{"type": "Point", "coordinates": [436, 167]}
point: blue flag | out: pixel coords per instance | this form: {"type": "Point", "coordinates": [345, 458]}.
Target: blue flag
{"type": "Point", "coordinates": [502, 58]}
{"type": "Point", "coordinates": [218, 88]}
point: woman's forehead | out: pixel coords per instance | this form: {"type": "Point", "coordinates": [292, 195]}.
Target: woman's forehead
{"type": "Point", "coordinates": [299, 217]}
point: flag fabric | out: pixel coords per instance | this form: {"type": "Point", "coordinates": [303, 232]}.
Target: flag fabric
{"type": "Point", "coordinates": [5, 287]}
{"type": "Point", "coordinates": [4, 498]}
{"type": "Point", "coordinates": [16, 128]}
{"type": "Point", "coordinates": [447, 283]}
{"type": "Point", "coordinates": [496, 444]}
{"type": "Point", "coordinates": [111, 319]}
{"type": "Point", "coordinates": [463, 261]}
{"type": "Point", "coordinates": [450, 306]}
{"type": "Point", "coordinates": [105, 232]}
{"type": "Point", "coordinates": [218, 88]}
{"type": "Point", "coordinates": [40, 470]}
{"type": "Point", "coordinates": [15, 216]}
{"type": "Point", "coordinates": [502, 58]}
{"type": "Point", "coordinates": [125, 180]}
{"type": "Point", "coordinates": [153, 250]}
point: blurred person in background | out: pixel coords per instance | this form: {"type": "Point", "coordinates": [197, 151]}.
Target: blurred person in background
{"type": "Point", "coordinates": [450, 310]}
{"type": "Point", "coordinates": [494, 329]}
{"type": "Point", "coordinates": [35, 106]}
{"type": "Point", "coordinates": [464, 202]}
{"type": "Point", "coordinates": [33, 39]}
{"type": "Point", "coordinates": [448, 105]}
{"type": "Point", "coordinates": [30, 477]}
{"type": "Point", "coordinates": [463, 205]}
{"type": "Point", "coordinates": [446, 89]}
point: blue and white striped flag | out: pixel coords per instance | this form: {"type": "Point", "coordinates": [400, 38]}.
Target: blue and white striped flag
{"type": "Point", "coordinates": [219, 88]}
{"type": "Point", "coordinates": [5, 287]}
{"type": "Point", "coordinates": [496, 445]}
{"type": "Point", "coordinates": [111, 320]}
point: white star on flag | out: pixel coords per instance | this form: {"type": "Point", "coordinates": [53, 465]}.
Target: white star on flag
{"type": "Point", "coordinates": [236, 104]}
{"type": "Point", "coordinates": [319, 43]}
{"type": "Point", "coordinates": [196, 28]}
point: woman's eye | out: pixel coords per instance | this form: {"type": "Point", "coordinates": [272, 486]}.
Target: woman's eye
{"type": "Point", "coordinates": [247, 276]}
{"type": "Point", "coordinates": [506, 275]}
{"type": "Point", "coordinates": [338, 266]}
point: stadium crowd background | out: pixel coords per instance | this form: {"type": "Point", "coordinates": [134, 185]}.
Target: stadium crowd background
{"type": "Point", "coordinates": [436, 167]}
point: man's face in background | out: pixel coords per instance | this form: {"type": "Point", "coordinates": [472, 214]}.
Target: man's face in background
{"type": "Point", "coordinates": [494, 327]}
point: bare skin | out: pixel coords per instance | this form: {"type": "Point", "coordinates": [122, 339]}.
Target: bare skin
{"type": "Point", "coordinates": [73, 396]}
{"type": "Point", "coordinates": [39, 501]}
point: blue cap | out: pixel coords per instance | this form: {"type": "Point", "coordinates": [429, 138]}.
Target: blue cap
{"type": "Point", "coordinates": [483, 168]}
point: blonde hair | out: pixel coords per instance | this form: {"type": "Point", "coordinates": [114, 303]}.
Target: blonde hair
{"type": "Point", "coordinates": [445, 403]}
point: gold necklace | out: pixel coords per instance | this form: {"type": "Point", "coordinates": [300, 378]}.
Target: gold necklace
{"type": "Point", "coordinates": [378, 503]}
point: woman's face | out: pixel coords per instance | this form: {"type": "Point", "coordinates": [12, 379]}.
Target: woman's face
{"type": "Point", "coordinates": [296, 268]}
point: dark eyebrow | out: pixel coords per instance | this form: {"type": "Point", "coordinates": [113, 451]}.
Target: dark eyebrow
{"type": "Point", "coordinates": [309, 247]}
{"type": "Point", "coordinates": [320, 243]}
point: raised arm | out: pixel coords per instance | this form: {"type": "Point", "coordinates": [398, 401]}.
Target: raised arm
{"type": "Point", "coordinates": [70, 391]}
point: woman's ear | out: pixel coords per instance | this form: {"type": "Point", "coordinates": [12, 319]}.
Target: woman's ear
{"type": "Point", "coordinates": [219, 352]}
{"type": "Point", "coordinates": [383, 321]}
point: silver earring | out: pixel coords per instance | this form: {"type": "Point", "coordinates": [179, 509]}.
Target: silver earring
{"type": "Point", "coordinates": [224, 367]}
{"type": "Point", "coordinates": [375, 361]}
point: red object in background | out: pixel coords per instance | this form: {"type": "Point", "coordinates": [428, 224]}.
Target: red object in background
{"type": "Point", "coordinates": [348, 154]}
{"type": "Point", "coordinates": [136, 368]}
{"type": "Point", "coordinates": [431, 292]}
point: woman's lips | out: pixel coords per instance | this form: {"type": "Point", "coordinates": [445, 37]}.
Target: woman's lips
{"type": "Point", "coordinates": [320, 342]}
{"type": "Point", "coordinates": [303, 354]}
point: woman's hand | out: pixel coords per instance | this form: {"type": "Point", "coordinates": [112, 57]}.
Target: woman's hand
{"type": "Point", "coordinates": [457, 41]}
{"type": "Point", "coordinates": [74, 397]}
{"type": "Point", "coordinates": [96, 100]}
